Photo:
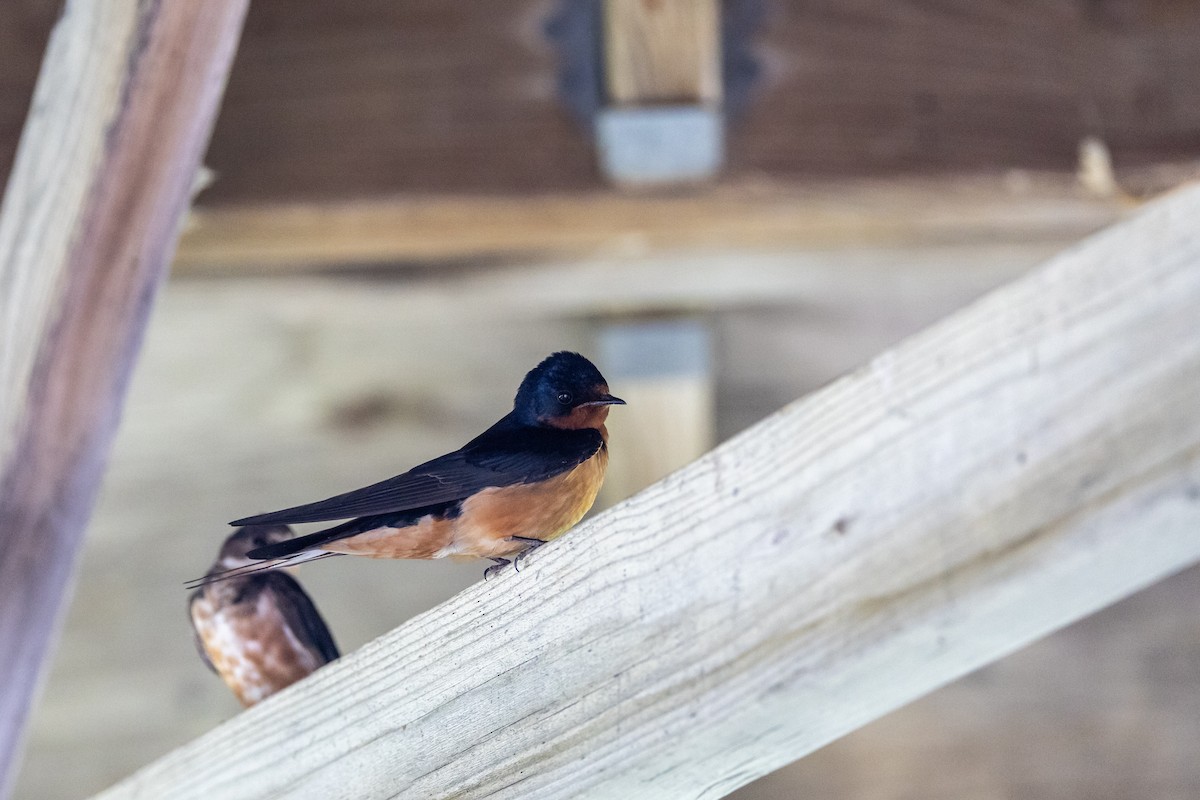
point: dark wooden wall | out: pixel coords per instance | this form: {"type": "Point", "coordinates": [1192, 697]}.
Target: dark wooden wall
{"type": "Point", "coordinates": [378, 97]}
{"type": "Point", "coordinates": [883, 86]}
{"type": "Point", "coordinates": [24, 28]}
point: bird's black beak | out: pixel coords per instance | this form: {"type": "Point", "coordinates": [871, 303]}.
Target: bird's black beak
{"type": "Point", "coordinates": [606, 400]}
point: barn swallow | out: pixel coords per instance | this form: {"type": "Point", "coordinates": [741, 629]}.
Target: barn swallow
{"type": "Point", "coordinates": [525, 480]}
{"type": "Point", "coordinates": [259, 632]}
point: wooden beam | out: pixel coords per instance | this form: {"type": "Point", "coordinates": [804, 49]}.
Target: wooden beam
{"type": "Point", "coordinates": [662, 51]}
{"type": "Point", "coordinates": [288, 238]}
{"type": "Point", "coordinates": [665, 370]}
{"type": "Point", "coordinates": [122, 113]}
{"type": "Point", "coordinates": [1020, 465]}
{"type": "Point", "coordinates": [663, 122]}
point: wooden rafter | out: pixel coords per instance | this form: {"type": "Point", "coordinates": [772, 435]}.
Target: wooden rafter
{"type": "Point", "coordinates": [295, 237]}
{"type": "Point", "coordinates": [122, 113]}
{"type": "Point", "coordinates": [1020, 465]}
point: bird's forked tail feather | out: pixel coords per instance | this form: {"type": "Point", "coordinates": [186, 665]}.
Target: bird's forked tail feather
{"type": "Point", "coordinates": [265, 565]}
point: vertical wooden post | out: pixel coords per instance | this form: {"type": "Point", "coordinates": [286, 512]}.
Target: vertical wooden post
{"type": "Point", "coordinates": [662, 68]}
{"type": "Point", "coordinates": [120, 118]}
{"type": "Point", "coordinates": [662, 51]}
{"type": "Point", "coordinates": [663, 369]}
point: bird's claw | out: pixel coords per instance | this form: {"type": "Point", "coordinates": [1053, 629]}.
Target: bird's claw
{"type": "Point", "coordinates": [531, 544]}
{"type": "Point", "coordinates": [500, 564]}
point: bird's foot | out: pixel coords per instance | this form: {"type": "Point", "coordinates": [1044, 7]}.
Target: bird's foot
{"type": "Point", "coordinates": [500, 564]}
{"type": "Point", "coordinates": [531, 544]}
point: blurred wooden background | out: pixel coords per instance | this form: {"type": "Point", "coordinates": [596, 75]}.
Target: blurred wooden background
{"type": "Point", "coordinates": [405, 217]}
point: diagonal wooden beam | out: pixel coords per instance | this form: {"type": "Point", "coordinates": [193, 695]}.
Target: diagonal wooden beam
{"type": "Point", "coordinates": [122, 113]}
{"type": "Point", "coordinates": [1024, 463]}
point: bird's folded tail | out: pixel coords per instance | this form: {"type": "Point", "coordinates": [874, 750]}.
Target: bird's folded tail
{"type": "Point", "coordinates": [307, 543]}
{"type": "Point", "coordinates": [265, 565]}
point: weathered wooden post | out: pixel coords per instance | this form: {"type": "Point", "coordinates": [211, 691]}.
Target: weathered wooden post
{"type": "Point", "coordinates": [122, 112]}
{"type": "Point", "coordinates": [662, 122]}
{"type": "Point", "coordinates": [664, 367]}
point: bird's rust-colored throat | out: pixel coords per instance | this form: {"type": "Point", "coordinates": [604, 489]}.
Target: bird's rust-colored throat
{"type": "Point", "coordinates": [580, 418]}
{"type": "Point", "coordinates": [588, 415]}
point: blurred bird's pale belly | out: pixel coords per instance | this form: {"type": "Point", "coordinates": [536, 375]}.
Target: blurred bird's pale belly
{"type": "Point", "coordinates": [488, 519]}
{"type": "Point", "coordinates": [251, 648]}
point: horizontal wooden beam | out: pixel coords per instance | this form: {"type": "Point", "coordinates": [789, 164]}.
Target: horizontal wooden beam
{"type": "Point", "coordinates": [299, 237]}
{"type": "Point", "coordinates": [122, 114]}
{"type": "Point", "coordinates": [1022, 464]}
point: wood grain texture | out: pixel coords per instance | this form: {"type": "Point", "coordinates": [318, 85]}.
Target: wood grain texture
{"type": "Point", "coordinates": [1017, 466]}
{"type": "Point", "coordinates": [658, 51]}
{"type": "Point", "coordinates": [123, 110]}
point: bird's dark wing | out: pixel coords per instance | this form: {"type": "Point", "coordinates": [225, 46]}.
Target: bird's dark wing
{"type": "Point", "coordinates": [196, 634]}
{"type": "Point", "coordinates": [301, 615]}
{"type": "Point", "coordinates": [442, 480]}
{"type": "Point", "coordinates": [504, 455]}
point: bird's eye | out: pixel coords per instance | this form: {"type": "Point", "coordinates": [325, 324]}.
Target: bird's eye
{"type": "Point", "coordinates": [565, 398]}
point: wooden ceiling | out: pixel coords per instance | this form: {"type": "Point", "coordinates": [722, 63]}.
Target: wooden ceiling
{"type": "Point", "coordinates": [371, 98]}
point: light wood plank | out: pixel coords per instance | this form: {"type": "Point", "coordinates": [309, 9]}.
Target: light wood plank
{"type": "Point", "coordinates": [1024, 463]}
{"type": "Point", "coordinates": [664, 371]}
{"type": "Point", "coordinates": [302, 237]}
{"type": "Point", "coordinates": [662, 51]}
{"type": "Point", "coordinates": [122, 112]}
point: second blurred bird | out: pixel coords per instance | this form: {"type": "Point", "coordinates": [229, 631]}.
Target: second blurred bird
{"type": "Point", "coordinates": [260, 633]}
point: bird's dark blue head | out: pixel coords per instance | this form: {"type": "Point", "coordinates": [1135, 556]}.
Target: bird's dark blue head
{"type": "Point", "coordinates": [564, 391]}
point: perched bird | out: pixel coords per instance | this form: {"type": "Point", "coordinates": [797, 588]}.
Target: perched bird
{"type": "Point", "coordinates": [525, 480]}
{"type": "Point", "coordinates": [260, 633]}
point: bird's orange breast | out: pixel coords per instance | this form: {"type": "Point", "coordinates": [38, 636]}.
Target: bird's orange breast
{"type": "Point", "coordinates": [426, 539]}
{"type": "Point", "coordinates": [543, 510]}
{"type": "Point", "coordinates": [488, 519]}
